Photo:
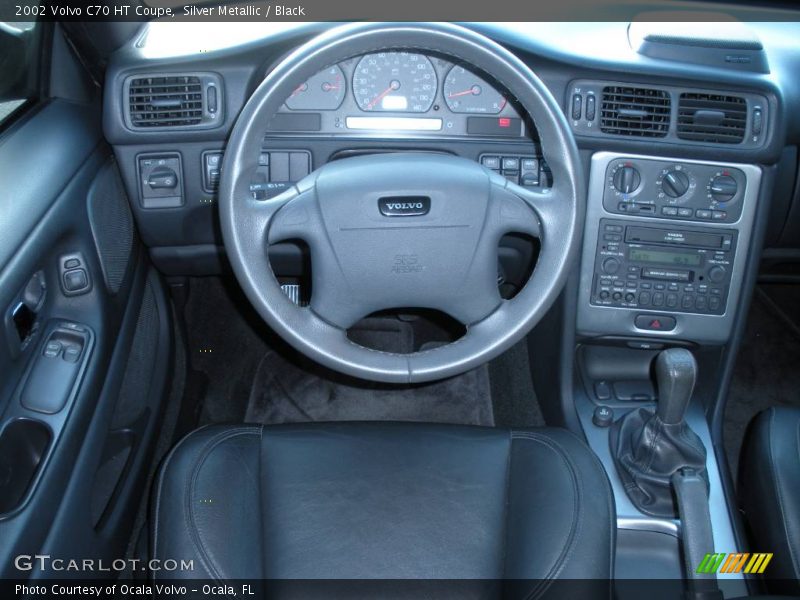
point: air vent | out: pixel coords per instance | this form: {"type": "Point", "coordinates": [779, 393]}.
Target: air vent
{"type": "Point", "coordinates": [635, 112]}
{"type": "Point", "coordinates": [174, 101]}
{"type": "Point", "coordinates": [713, 118]}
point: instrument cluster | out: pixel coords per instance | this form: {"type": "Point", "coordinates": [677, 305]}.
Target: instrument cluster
{"type": "Point", "coordinates": [401, 91]}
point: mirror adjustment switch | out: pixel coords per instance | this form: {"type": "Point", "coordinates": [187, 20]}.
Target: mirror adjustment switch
{"type": "Point", "coordinates": [74, 274]}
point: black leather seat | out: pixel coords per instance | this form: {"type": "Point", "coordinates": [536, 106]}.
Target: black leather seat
{"type": "Point", "coordinates": [384, 500]}
{"type": "Point", "coordinates": [769, 490]}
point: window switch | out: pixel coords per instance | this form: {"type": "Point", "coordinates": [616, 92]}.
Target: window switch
{"type": "Point", "coordinates": [52, 349]}
{"type": "Point", "coordinates": [72, 353]}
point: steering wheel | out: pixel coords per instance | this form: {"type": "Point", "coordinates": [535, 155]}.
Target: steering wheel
{"type": "Point", "coordinates": [439, 253]}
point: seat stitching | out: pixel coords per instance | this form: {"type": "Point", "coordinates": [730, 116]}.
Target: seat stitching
{"type": "Point", "coordinates": [194, 532]}
{"type": "Point", "coordinates": [575, 526]}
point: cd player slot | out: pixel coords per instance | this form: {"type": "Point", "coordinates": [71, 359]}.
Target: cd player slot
{"type": "Point", "coordinates": [694, 239]}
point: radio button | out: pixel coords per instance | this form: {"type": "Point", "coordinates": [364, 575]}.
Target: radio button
{"type": "Point", "coordinates": [658, 298]}
{"type": "Point", "coordinates": [654, 322]}
{"type": "Point", "coordinates": [672, 300]}
{"type": "Point", "coordinates": [604, 295]}
{"type": "Point", "coordinates": [612, 237]}
{"type": "Point", "coordinates": [611, 265]}
{"type": "Point", "coordinates": [644, 298]}
{"type": "Point", "coordinates": [661, 286]}
{"type": "Point", "coordinates": [719, 215]}
{"type": "Point", "coordinates": [714, 303]}
{"type": "Point", "coordinates": [685, 212]}
{"type": "Point", "coordinates": [673, 287]}
{"type": "Point", "coordinates": [630, 297]}
{"type": "Point", "coordinates": [617, 296]}
{"type": "Point", "coordinates": [700, 304]}
{"type": "Point", "coordinates": [688, 301]}
{"type": "Point", "coordinates": [716, 292]}
{"type": "Point", "coordinates": [670, 211]}
{"type": "Point", "coordinates": [702, 214]}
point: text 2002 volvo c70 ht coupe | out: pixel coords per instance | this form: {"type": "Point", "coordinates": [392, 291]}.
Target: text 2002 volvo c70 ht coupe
{"type": "Point", "coordinates": [400, 309]}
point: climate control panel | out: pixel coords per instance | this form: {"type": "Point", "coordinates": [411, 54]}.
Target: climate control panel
{"type": "Point", "coordinates": [674, 269]}
{"type": "Point", "coordinates": [685, 192]}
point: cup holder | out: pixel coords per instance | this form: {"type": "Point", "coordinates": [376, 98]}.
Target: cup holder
{"type": "Point", "coordinates": [23, 444]}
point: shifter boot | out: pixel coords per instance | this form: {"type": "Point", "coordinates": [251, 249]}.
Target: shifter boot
{"type": "Point", "coordinates": [647, 451]}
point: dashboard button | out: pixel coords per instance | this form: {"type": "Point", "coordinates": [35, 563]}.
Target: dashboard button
{"type": "Point", "coordinates": [530, 164]}
{"type": "Point", "coordinates": [685, 212]}
{"type": "Point", "coordinates": [491, 162]}
{"type": "Point", "coordinates": [510, 163]}
{"type": "Point", "coordinates": [702, 214]}
{"type": "Point", "coordinates": [591, 108]}
{"type": "Point", "coordinates": [655, 322]}
{"type": "Point", "coordinates": [670, 211]}
{"type": "Point", "coordinates": [714, 303]}
{"type": "Point", "coordinates": [719, 215]}
{"type": "Point", "coordinates": [577, 106]}
{"type": "Point", "coordinates": [644, 298]}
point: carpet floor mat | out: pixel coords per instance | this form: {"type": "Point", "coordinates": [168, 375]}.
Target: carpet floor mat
{"type": "Point", "coordinates": [291, 390]}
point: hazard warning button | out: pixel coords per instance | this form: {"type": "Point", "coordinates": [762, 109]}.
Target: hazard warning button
{"type": "Point", "coordinates": [655, 322]}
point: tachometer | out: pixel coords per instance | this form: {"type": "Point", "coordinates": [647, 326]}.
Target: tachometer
{"type": "Point", "coordinates": [324, 91]}
{"type": "Point", "coordinates": [395, 82]}
{"type": "Point", "coordinates": [465, 92]}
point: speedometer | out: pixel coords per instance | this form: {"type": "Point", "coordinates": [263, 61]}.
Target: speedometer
{"type": "Point", "coordinates": [394, 82]}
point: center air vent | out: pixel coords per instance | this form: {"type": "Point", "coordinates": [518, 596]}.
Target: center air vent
{"type": "Point", "coordinates": [712, 118]}
{"type": "Point", "coordinates": [172, 100]}
{"type": "Point", "coordinates": [635, 112]}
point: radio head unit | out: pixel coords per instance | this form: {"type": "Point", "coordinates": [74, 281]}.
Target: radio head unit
{"type": "Point", "coordinates": [662, 268]}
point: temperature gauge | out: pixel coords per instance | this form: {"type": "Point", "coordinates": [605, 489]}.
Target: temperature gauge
{"type": "Point", "coordinates": [324, 91]}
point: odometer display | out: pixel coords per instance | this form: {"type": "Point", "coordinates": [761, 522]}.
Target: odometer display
{"type": "Point", "coordinates": [395, 82]}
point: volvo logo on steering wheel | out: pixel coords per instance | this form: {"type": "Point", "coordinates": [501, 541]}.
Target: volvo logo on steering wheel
{"type": "Point", "coordinates": [404, 206]}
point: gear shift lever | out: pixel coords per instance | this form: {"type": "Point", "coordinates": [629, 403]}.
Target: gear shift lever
{"type": "Point", "coordinates": [649, 447]}
{"type": "Point", "coordinates": [676, 373]}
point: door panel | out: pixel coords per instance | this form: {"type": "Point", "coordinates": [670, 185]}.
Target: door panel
{"type": "Point", "coordinates": [80, 392]}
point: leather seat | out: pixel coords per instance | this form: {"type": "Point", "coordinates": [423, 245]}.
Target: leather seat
{"type": "Point", "coordinates": [384, 500]}
{"type": "Point", "coordinates": [769, 491]}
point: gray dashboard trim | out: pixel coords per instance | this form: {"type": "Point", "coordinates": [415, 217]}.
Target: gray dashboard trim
{"type": "Point", "coordinates": [598, 321]}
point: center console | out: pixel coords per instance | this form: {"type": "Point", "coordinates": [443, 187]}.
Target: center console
{"type": "Point", "coordinates": [662, 272]}
{"type": "Point", "coordinates": [662, 246]}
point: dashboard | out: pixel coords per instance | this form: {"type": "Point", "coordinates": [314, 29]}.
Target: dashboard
{"type": "Point", "coordinates": [688, 166]}
{"type": "Point", "coordinates": [400, 94]}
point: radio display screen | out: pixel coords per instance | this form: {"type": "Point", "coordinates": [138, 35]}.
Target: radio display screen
{"type": "Point", "coordinates": [670, 258]}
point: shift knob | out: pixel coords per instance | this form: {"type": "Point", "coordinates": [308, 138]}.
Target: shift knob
{"type": "Point", "coordinates": [676, 373]}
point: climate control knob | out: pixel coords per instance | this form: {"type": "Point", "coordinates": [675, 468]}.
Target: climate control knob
{"type": "Point", "coordinates": [627, 179]}
{"type": "Point", "coordinates": [723, 188]}
{"type": "Point", "coordinates": [675, 183]}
